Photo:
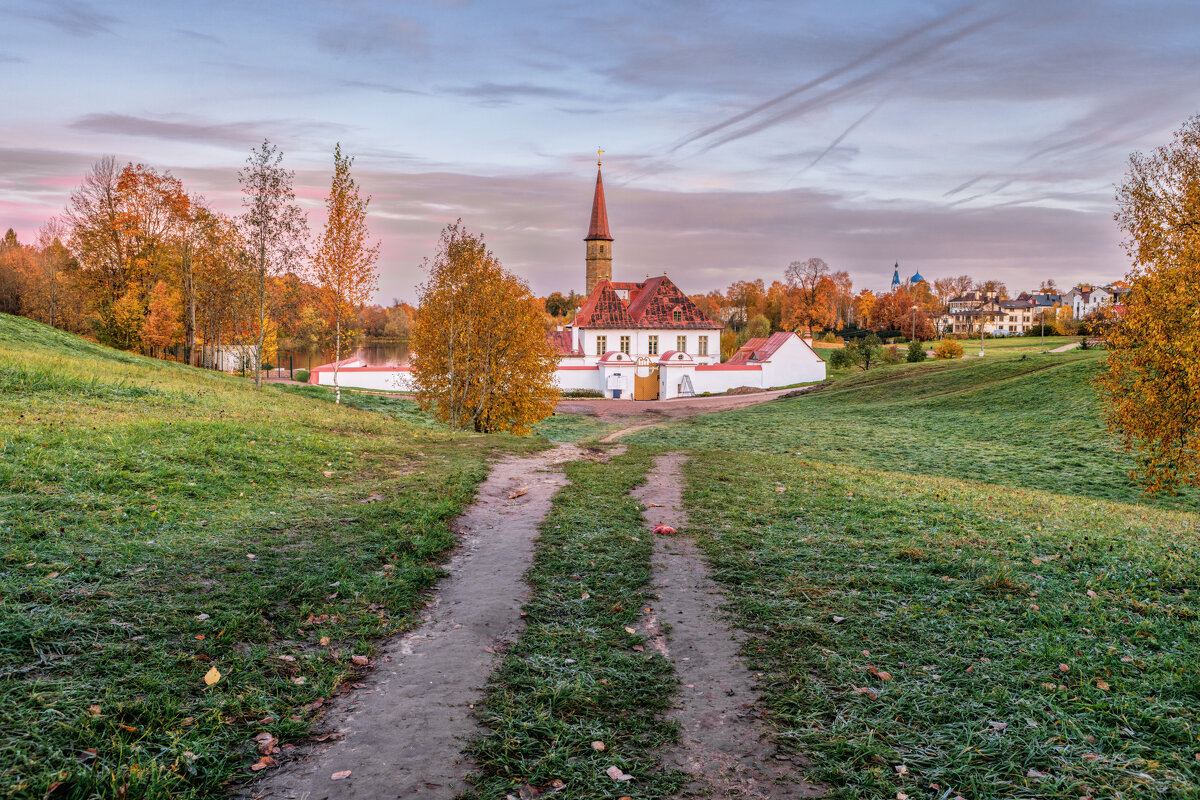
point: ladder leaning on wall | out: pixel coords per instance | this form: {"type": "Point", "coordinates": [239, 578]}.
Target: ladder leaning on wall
{"type": "Point", "coordinates": [685, 387]}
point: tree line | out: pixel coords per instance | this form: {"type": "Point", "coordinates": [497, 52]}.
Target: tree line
{"type": "Point", "coordinates": [138, 262]}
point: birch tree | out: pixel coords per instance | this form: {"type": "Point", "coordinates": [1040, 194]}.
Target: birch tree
{"type": "Point", "coordinates": [344, 262]}
{"type": "Point", "coordinates": [273, 226]}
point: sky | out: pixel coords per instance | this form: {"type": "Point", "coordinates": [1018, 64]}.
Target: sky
{"type": "Point", "coordinates": [955, 138]}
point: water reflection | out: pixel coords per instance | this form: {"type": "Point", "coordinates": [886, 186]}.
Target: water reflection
{"type": "Point", "coordinates": [374, 353]}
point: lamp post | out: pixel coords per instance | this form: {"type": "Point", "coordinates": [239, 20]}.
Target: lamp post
{"type": "Point", "coordinates": [981, 334]}
{"type": "Point", "coordinates": [1043, 330]}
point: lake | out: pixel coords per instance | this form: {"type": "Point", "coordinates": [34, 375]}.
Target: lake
{"type": "Point", "coordinates": [374, 353]}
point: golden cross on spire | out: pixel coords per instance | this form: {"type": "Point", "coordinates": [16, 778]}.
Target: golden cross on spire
{"type": "Point", "coordinates": [599, 153]}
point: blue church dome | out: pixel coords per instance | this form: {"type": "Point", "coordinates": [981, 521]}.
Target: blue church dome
{"type": "Point", "coordinates": [916, 278]}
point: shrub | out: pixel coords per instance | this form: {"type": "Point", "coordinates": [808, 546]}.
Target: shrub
{"type": "Point", "coordinates": [300, 375]}
{"type": "Point", "coordinates": [947, 348]}
{"type": "Point", "coordinates": [891, 355]}
{"type": "Point", "coordinates": [582, 393]}
{"type": "Point", "coordinates": [839, 359]}
{"type": "Point", "coordinates": [916, 352]}
{"type": "Point", "coordinates": [829, 338]}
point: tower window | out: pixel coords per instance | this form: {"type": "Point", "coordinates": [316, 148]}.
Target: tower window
{"type": "Point", "coordinates": [677, 315]}
{"type": "Point", "coordinates": [652, 346]}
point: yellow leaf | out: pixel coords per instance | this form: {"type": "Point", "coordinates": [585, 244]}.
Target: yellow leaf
{"type": "Point", "coordinates": [212, 676]}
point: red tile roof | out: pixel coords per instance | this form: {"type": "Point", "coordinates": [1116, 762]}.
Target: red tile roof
{"type": "Point", "coordinates": [760, 349]}
{"type": "Point", "coordinates": [561, 341]}
{"type": "Point", "coordinates": [651, 304]}
{"type": "Point", "coordinates": [599, 226]}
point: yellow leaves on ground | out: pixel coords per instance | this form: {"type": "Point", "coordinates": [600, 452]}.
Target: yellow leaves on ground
{"type": "Point", "coordinates": [212, 676]}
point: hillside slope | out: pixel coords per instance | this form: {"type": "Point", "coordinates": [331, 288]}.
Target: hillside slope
{"type": "Point", "coordinates": [1032, 422]}
{"type": "Point", "coordinates": [157, 521]}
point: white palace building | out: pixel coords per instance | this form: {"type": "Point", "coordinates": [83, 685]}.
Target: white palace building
{"type": "Point", "coordinates": [636, 340]}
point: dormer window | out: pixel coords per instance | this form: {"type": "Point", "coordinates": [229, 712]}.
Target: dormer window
{"type": "Point", "coordinates": [677, 315]}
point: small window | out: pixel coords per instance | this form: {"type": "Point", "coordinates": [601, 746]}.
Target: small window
{"type": "Point", "coordinates": [625, 345]}
{"type": "Point", "coordinates": [681, 344]}
{"type": "Point", "coordinates": [677, 315]}
{"type": "Point", "coordinates": [652, 345]}
{"type": "Point", "coordinates": [601, 345]}
{"type": "Point", "coordinates": [702, 346]}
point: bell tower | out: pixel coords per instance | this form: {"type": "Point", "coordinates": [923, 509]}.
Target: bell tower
{"type": "Point", "coordinates": [599, 240]}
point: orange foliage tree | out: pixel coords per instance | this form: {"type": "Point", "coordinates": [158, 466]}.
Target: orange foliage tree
{"type": "Point", "coordinates": [894, 312]}
{"type": "Point", "coordinates": [480, 357]}
{"type": "Point", "coordinates": [344, 262]}
{"type": "Point", "coordinates": [1151, 385]}
{"type": "Point", "coordinates": [163, 327]}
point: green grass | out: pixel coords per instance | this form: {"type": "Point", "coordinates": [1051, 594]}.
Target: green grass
{"type": "Point", "coordinates": [133, 493]}
{"type": "Point", "coordinates": [1028, 422]}
{"type": "Point", "coordinates": [853, 536]}
{"type": "Point", "coordinates": [971, 596]}
{"type": "Point", "coordinates": [574, 677]}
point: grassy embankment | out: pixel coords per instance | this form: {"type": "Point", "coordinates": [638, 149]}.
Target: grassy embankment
{"type": "Point", "coordinates": [158, 521]}
{"type": "Point", "coordinates": [952, 587]}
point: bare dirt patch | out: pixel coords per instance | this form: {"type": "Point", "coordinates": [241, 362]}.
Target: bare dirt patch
{"type": "Point", "coordinates": [402, 733]}
{"type": "Point", "coordinates": [723, 743]}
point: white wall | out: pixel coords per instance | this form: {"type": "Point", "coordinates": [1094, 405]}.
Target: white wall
{"type": "Point", "coordinates": [793, 362]}
{"type": "Point", "coordinates": [639, 342]}
{"type": "Point", "coordinates": [381, 379]}
{"type": "Point", "coordinates": [568, 379]}
{"type": "Point", "coordinates": [720, 378]}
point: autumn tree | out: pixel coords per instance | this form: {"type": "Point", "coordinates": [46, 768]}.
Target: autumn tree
{"type": "Point", "coordinates": [162, 327]}
{"type": "Point", "coordinates": [894, 312]}
{"type": "Point", "coordinates": [1151, 384]}
{"type": "Point", "coordinates": [273, 226]}
{"type": "Point", "coordinates": [812, 293]}
{"type": "Point", "coordinates": [344, 262]}
{"type": "Point", "coordinates": [480, 358]}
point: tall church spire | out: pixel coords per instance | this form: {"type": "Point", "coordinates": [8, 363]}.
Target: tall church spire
{"type": "Point", "coordinates": [598, 240]}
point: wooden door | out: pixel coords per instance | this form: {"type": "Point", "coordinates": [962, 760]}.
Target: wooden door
{"type": "Point", "coordinates": [645, 387]}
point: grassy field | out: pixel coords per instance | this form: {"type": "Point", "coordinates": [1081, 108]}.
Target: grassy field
{"type": "Point", "coordinates": [575, 677]}
{"type": "Point", "coordinates": [1031, 422]}
{"type": "Point", "coordinates": [951, 587]}
{"type": "Point", "coordinates": [157, 522]}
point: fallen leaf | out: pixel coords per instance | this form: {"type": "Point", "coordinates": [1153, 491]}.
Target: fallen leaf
{"type": "Point", "coordinates": [360, 660]}
{"type": "Point", "coordinates": [375, 498]}
{"type": "Point", "coordinates": [262, 763]}
{"type": "Point", "coordinates": [266, 743]}
{"type": "Point", "coordinates": [212, 676]}
{"type": "Point", "coordinates": [94, 710]}
{"type": "Point", "coordinates": [1063, 668]}
{"type": "Point", "coordinates": [202, 617]}
{"type": "Point", "coordinates": [616, 774]}
{"type": "Point", "coordinates": [52, 575]}
{"type": "Point", "coordinates": [781, 488]}
{"type": "Point", "coordinates": [324, 641]}
{"type": "Point", "coordinates": [286, 658]}
{"type": "Point", "coordinates": [251, 556]}
{"type": "Point", "coordinates": [838, 619]}
{"type": "Point", "coordinates": [901, 796]}
{"type": "Point", "coordinates": [300, 681]}
{"type": "Point", "coordinates": [327, 473]}
{"type": "Point", "coordinates": [1091, 593]}
{"type": "Point", "coordinates": [518, 493]}
{"type": "Point", "coordinates": [598, 746]}
{"type": "Point", "coordinates": [129, 728]}
{"type": "Point", "coordinates": [1033, 773]}
{"type": "Point", "coordinates": [337, 776]}
{"type": "Point", "coordinates": [901, 770]}
{"type": "Point", "coordinates": [1102, 685]}
{"type": "Point", "coordinates": [199, 637]}
{"type": "Point", "coordinates": [665, 530]}
{"type": "Point", "coordinates": [630, 630]}
{"type": "Point", "coordinates": [639, 648]}
{"type": "Point", "coordinates": [998, 726]}
{"type": "Point", "coordinates": [865, 690]}
{"type": "Point", "coordinates": [1126, 660]}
